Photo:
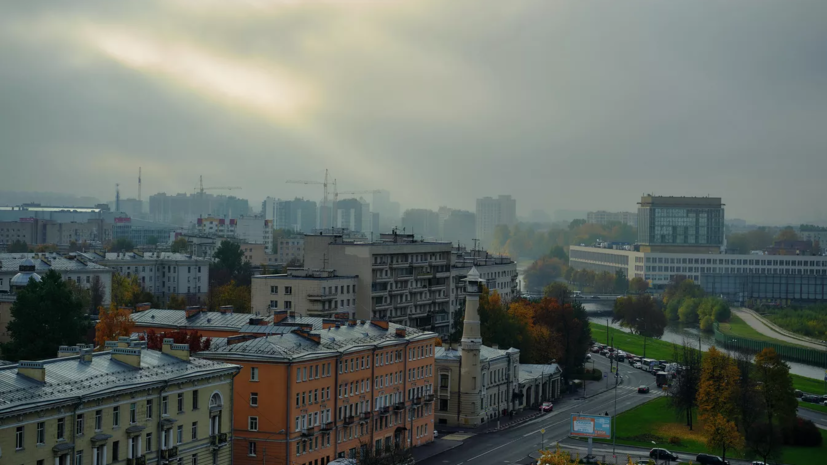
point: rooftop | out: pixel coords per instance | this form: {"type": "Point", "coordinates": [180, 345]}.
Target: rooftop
{"type": "Point", "coordinates": [69, 379]}
{"type": "Point", "coordinates": [529, 372]}
{"type": "Point", "coordinates": [177, 319]}
{"type": "Point", "coordinates": [486, 353]}
{"type": "Point", "coordinates": [137, 256]}
{"type": "Point", "coordinates": [298, 344]}
{"type": "Point", "coordinates": [44, 262]}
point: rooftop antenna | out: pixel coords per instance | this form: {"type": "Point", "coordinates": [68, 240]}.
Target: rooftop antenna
{"type": "Point", "coordinates": [139, 188]}
{"type": "Point", "coordinates": [117, 197]}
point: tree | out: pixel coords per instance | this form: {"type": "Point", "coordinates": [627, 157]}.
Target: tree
{"type": "Point", "coordinates": [641, 314]}
{"type": "Point", "coordinates": [177, 302]}
{"type": "Point", "coordinates": [500, 237]}
{"type": "Point", "coordinates": [575, 224]}
{"type": "Point", "coordinates": [604, 282]}
{"type": "Point", "coordinates": [558, 291]}
{"type": "Point", "coordinates": [112, 324]}
{"type": "Point", "coordinates": [559, 253]}
{"type": "Point", "coordinates": [621, 285]}
{"type": "Point", "coordinates": [125, 290]}
{"type": "Point", "coordinates": [683, 395]}
{"type": "Point", "coordinates": [787, 234]}
{"type": "Point", "coordinates": [744, 243]}
{"type": "Point", "coordinates": [97, 292]}
{"type": "Point", "coordinates": [294, 262]}
{"type": "Point", "coordinates": [18, 246]}
{"type": "Point", "coordinates": [152, 240]}
{"type": "Point", "coordinates": [232, 294]}
{"type": "Point", "coordinates": [193, 339]}
{"type": "Point", "coordinates": [638, 285]}
{"type": "Point", "coordinates": [45, 316]}
{"type": "Point", "coordinates": [688, 312]}
{"type": "Point", "coordinates": [717, 405]}
{"type": "Point", "coordinates": [121, 244]}
{"type": "Point", "coordinates": [229, 256]}
{"type": "Point", "coordinates": [180, 245]}
{"type": "Point", "coordinates": [543, 271]}
{"type": "Point", "coordinates": [46, 248]}
{"type": "Point", "coordinates": [775, 390]}
{"type": "Point", "coordinates": [569, 324]}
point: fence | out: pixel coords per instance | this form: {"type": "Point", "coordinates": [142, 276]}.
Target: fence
{"type": "Point", "coordinates": [790, 353]}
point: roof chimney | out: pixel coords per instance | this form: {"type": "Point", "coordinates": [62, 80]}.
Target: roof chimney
{"type": "Point", "coordinates": [127, 355]}
{"type": "Point", "coordinates": [280, 316]}
{"type": "Point", "coordinates": [86, 355]}
{"type": "Point", "coordinates": [226, 309]}
{"type": "Point", "coordinates": [32, 370]}
{"type": "Point", "coordinates": [193, 310]}
{"type": "Point", "coordinates": [179, 351]}
{"type": "Point", "coordinates": [123, 341]}
{"type": "Point", "coordinates": [67, 351]}
{"type": "Point", "coordinates": [401, 332]}
{"type": "Point", "coordinates": [380, 323]}
{"type": "Point", "coordinates": [143, 306]}
{"type": "Point", "coordinates": [110, 345]}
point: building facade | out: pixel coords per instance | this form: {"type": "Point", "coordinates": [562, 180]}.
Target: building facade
{"type": "Point", "coordinates": [498, 272]}
{"type": "Point", "coordinates": [311, 396]}
{"type": "Point", "coordinates": [681, 224]}
{"type": "Point", "coordinates": [255, 230]}
{"type": "Point", "coordinates": [493, 212]}
{"type": "Point", "coordinates": [604, 217]}
{"type": "Point", "coordinates": [289, 248]}
{"type": "Point", "coordinates": [293, 215]}
{"type": "Point", "coordinates": [318, 293]}
{"type": "Point", "coordinates": [73, 267]}
{"type": "Point", "coordinates": [217, 227]}
{"type": "Point", "coordinates": [161, 273]}
{"type": "Point", "coordinates": [124, 405]}
{"type": "Point", "coordinates": [399, 278]}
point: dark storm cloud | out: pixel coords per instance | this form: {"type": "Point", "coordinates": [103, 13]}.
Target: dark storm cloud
{"type": "Point", "coordinates": [582, 105]}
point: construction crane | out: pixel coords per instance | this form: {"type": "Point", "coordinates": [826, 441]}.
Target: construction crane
{"type": "Point", "coordinates": [200, 189]}
{"type": "Point", "coordinates": [336, 197]}
{"type": "Point", "coordinates": [324, 196]}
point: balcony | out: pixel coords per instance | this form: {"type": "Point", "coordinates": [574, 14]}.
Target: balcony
{"type": "Point", "coordinates": [322, 297]}
{"type": "Point", "coordinates": [383, 306]}
{"type": "Point", "coordinates": [137, 461]}
{"type": "Point", "coordinates": [364, 416]}
{"type": "Point", "coordinates": [420, 263]}
{"type": "Point", "coordinates": [385, 411]}
{"type": "Point", "coordinates": [424, 275]}
{"type": "Point", "coordinates": [349, 420]}
{"type": "Point", "coordinates": [383, 279]}
{"type": "Point", "coordinates": [443, 274]}
{"type": "Point", "coordinates": [442, 299]}
{"type": "Point", "coordinates": [170, 453]}
{"type": "Point", "coordinates": [404, 277]}
{"type": "Point", "coordinates": [399, 406]}
{"type": "Point", "coordinates": [376, 292]}
{"type": "Point", "coordinates": [437, 262]}
{"type": "Point", "coordinates": [327, 426]}
{"type": "Point", "coordinates": [218, 440]}
{"type": "Point", "coordinates": [417, 400]}
{"type": "Point", "coordinates": [399, 291]}
{"type": "Point", "coordinates": [380, 265]}
{"type": "Point", "coordinates": [429, 398]}
{"type": "Point", "coordinates": [400, 264]}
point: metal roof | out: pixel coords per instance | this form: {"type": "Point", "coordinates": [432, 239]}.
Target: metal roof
{"type": "Point", "coordinates": [203, 320]}
{"type": "Point", "coordinates": [530, 372]}
{"type": "Point", "coordinates": [486, 353]}
{"type": "Point", "coordinates": [68, 378]}
{"type": "Point", "coordinates": [132, 256]}
{"type": "Point", "coordinates": [44, 262]}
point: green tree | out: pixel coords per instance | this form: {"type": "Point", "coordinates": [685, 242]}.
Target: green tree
{"type": "Point", "coordinates": [641, 314]}
{"type": "Point", "coordinates": [557, 290]}
{"type": "Point", "coordinates": [621, 285]}
{"type": "Point", "coordinates": [543, 271]}
{"type": "Point", "coordinates": [180, 245]}
{"type": "Point", "coordinates": [717, 401]}
{"type": "Point", "coordinates": [229, 256]}
{"type": "Point", "coordinates": [152, 240]}
{"type": "Point", "coordinates": [638, 285]}
{"type": "Point", "coordinates": [683, 394]}
{"type": "Point", "coordinates": [500, 237]}
{"type": "Point", "coordinates": [18, 247]}
{"type": "Point", "coordinates": [604, 282]}
{"type": "Point", "coordinates": [126, 290]}
{"type": "Point", "coordinates": [177, 302]}
{"type": "Point", "coordinates": [559, 253]}
{"type": "Point", "coordinates": [787, 234]}
{"type": "Point", "coordinates": [45, 315]}
{"type": "Point", "coordinates": [121, 244]}
{"type": "Point", "coordinates": [575, 224]}
{"type": "Point", "coordinates": [775, 389]}
{"type": "Point", "coordinates": [688, 313]}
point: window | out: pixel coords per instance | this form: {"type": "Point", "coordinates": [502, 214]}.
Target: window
{"type": "Point", "coordinates": [254, 399]}
{"type": "Point", "coordinates": [116, 445]}
{"type": "Point", "coordinates": [41, 433]}
{"type": "Point", "coordinates": [252, 423]}
{"type": "Point", "coordinates": [251, 449]}
{"type": "Point", "coordinates": [288, 290]}
{"type": "Point", "coordinates": [116, 416]}
{"type": "Point", "coordinates": [253, 374]}
{"type": "Point", "coordinates": [79, 425]}
{"type": "Point", "coordinates": [274, 304]}
{"type": "Point", "coordinates": [194, 459]}
{"type": "Point", "coordinates": [149, 442]}
{"type": "Point", "coordinates": [61, 428]}
{"type": "Point", "coordinates": [79, 457]}
{"type": "Point", "coordinates": [164, 405]}
{"type": "Point", "coordinates": [98, 419]}
{"type": "Point", "coordinates": [179, 434]}
{"type": "Point", "coordinates": [18, 438]}
{"type": "Point", "coordinates": [180, 402]}
{"type": "Point", "coordinates": [288, 304]}
{"type": "Point", "coordinates": [274, 290]}
{"type": "Point", "coordinates": [149, 409]}
{"type": "Point", "coordinates": [195, 399]}
{"type": "Point", "coordinates": [194, 430]}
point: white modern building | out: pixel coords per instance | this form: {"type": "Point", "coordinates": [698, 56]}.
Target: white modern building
{"type": "Point", "coordinates": [492, 212]}
{"type": "Point", "coordinates": [161, 273]}
{"type": "Point", "coordinates": [211, 226]}
{"type": "Point", "coordinates": [255, 230]}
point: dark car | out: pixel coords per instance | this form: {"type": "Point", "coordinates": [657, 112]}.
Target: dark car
{"type": "Point", "coordinates": [643, 389]}
{"type": "Point", "coordinates": [662, 454]}
{"type": "Point", "coordinates": [811, 398]}
{"type": "Point", "coordinates": [706, 459]}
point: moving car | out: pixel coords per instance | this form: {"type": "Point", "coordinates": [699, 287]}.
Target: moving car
{"type": "Point", "coordinates": [638, 365]}
{"type": "Point", "coordinates": [595, 350]}
{"type": "Point", "coordinates": [662, 454]}
{"type": "Point", "coordinates": [588, 357]}
{"type": "Point", "coordinates": [811, 398]}
{"type": "Point", "coordinates": [643, 389]}
{"type": "Point", "coordinates": [604, 352]}
{"type": "Point", "coordinates": [547, 407]}
{"type": "Point", "coordinates": [706, 459]}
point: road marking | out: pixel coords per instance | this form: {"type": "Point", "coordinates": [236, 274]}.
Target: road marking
{"type": "Point", "coordinates": [489, 451]}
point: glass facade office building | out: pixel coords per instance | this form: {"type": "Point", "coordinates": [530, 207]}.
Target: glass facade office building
{"type": "Point", "coordinates": [681, 221]}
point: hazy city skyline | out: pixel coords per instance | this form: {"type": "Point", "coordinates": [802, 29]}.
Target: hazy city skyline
{"type": "Point", "coordinates": [578, 105]}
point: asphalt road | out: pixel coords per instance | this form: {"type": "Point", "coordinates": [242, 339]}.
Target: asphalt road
{"type": "Point", "coordinates": [515, 444]}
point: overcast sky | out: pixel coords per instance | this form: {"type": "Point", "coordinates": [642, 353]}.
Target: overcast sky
{"type": "Point", "coordinates": [579, 104]}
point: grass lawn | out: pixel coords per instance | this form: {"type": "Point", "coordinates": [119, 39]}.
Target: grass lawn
{"type": "Point", "coordinates": [737, 327]}
{"type": "Point", "coordinates": [816, 407]}
{"type": "Point", "coordinates": [654, 421]}
{"type": "Point", "coordinates": [662, 350]}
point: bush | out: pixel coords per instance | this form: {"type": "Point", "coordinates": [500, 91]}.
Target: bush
{"type": "Point", "coordinates": [674, 440]}
{"type": "Point", "coordinates": [722, 312]}
{"type": "Point", "coordinates": [802, 433]}
{"type": "Point", "coordinates": [707, 324]}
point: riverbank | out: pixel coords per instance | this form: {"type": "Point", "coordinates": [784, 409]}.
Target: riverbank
{"type": "Point", "coordinates": [662, 350]}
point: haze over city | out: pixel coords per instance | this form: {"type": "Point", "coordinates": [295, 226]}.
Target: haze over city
{"type": "Point", "coordinates": [564, 105]}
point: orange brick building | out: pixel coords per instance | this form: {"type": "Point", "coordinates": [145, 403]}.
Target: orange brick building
{"type": "Point", "coordinates": [309, 392]}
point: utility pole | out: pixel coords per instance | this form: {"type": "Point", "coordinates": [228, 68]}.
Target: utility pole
{"type": "Point", "coordinates": [614, 417]}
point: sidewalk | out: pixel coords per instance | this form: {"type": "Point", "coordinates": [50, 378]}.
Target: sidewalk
{"type": "Point", "coordinates": [768, 328]}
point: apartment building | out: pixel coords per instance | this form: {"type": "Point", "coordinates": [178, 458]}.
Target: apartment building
{"type": "Point", "coordinates": [399, 278]}
{"type": "Point", "coordinates": [73, 267]}
{"type": "Point", "coordinates": [310, 396]}
{"type": "Point", "coordinates": [161, 273]}
{"type": "Point", "coordinates": [493, 212]}
{"type": "Point", "coordinates": [735, 276]}
{"type": "Point", "coordinates": [220, 227]}
{"type": "Point", "coordinates": [259, 254]}
{"type": "Point", "coordinates": [290, 248]}
{"type": "Point", "coordinates": [34, 231]}
{"type": "Point", "coordinates": [604, 217]}
{"type": "Point", "coordinates": [317, 293]}
{"type": "Point", "coordinates": [255, 230]}
{"type": "Point", "coordinates": [123, 405]}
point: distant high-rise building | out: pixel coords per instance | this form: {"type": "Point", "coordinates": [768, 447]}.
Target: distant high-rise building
{"type": "Point", "coordinates": [604, 217]}
{"type": "Point", "coordinates": [492, 212]}
{"type": "Point", "coordinates": [680, 224]}
{"type": "Point", "coordinates": [295, 215]}
{"type": "Point", "coordinates": [353, 214]}
{"type": "Point", "coordinates": [459, 226]}
{"type": "Point", "coordinates": [421, 223]}
{"type": "Point", "coordinates": [389, 211]}
{"type": "Point", "coordinates": [182, 208]}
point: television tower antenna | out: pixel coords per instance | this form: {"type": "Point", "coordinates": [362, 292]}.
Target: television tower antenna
{"type": "Point", "coordinates": [139, 186]}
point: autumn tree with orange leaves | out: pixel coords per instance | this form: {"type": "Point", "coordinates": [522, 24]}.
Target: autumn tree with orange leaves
{"type": "Point", "coordinates": [114, 323]}
{"type": "Point", "coordinates": [717, 396]}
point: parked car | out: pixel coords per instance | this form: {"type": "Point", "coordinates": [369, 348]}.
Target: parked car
{"type": "Point", "coordinates": [547, 407]}
{"type": "Point", "coordinates": [595, 350]}
{"type": "Point", "coordinates": [798, 393]}
{"type": "Point", "coordinates": [604, 352]}
{"type": "Point", "coordinates": [436, 434]}
{"type": "Point", "coordinates": [588, 357]}
{"type": "Point", "coordinates": [638, 365]}
{"type": "Point", "coordinates": [706, 459]}
{"type": "Point", "coordinates": [643, 389]}
{"type": "Point", "coordinates": [757, 463]}
{"type": "Point", "coordinates": [662, 454]}
{"type": "Point", "coordinates": [811, 399]}
{"type": "Point", "coordinates": [632, 361]}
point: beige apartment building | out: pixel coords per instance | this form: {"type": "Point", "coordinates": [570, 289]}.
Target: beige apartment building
{"type": "Point", "coordinates": [399, 278]}
{"type": "Point", "coordinates": [317, 293]}
{"type": "Point", "coordinates": [126, 405]}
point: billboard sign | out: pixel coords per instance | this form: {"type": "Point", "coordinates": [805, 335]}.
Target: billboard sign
{"type": "Point", "coordinates": [590, 426]}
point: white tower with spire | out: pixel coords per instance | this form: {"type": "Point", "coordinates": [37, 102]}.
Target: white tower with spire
{"type": "Point", "coordinates": [471, 387]}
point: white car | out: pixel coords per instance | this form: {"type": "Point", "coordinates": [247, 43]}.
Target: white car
{"type": "Point", "coordinates": [637, 365]}
{"type": "Point", "coordinates": [436, 434]}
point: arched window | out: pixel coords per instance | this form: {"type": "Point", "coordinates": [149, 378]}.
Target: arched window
{"type": "Point", "coordinates": [215, 400]}
{"type": "Point", "coordinates": [216, 403]}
